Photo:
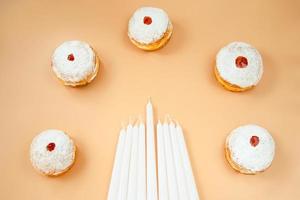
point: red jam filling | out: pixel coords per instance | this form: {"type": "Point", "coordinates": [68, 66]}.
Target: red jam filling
{"type": "Point", "coordinates": [51, 146]}
{"type": "Point", "coordinates": [147, 20]}
{"type": "Point", "coordinates": [254, 140]}
{"type": "Point", "coordinates": [241, 62]}
{"type": "Point", "coordinates": [71, 57]}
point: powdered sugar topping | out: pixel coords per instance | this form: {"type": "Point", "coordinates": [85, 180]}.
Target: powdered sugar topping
{"type": "Point", "coordinates": [253, 158]}
{"type": "Point", "coordinates": [79, 67]}
{"type": "Point", "coordinates": [240, 76]}
{"type": "Point", "coordinates": [147, 33]}
{"type": "Point", "coordinates": [54, 161]}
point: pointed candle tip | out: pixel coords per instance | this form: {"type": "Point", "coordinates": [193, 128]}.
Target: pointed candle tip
{"type": "Point", "coordinates": [142, 125]}
{"type": "Point", "coordinates": [149, 100]}
{"type": "Point", "coordinates": [132, 120]}
{"type": "Point", "coordinates": [172, 123]}
{"type": "Point", "coordinates": [167, 118]}
{"type": "Point", "coordinates": [149, 105]}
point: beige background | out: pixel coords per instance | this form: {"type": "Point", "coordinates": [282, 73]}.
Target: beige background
{"type": "Point", "coordinates": [178, 78]}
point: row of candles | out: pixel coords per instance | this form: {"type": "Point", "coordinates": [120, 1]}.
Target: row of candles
{"type": "Point", "coordinates": [149, 167]}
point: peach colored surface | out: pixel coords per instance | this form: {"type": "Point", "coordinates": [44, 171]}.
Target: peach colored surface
{"type": "Point", "coordinates": [179, 79]}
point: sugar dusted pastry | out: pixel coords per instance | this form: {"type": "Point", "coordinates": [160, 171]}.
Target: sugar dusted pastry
{"type": "Point", "coordinates": [149, 28]}
{"type": "Point", "coordinates": [238, 67]}
{"type": "Point", "coordinates": [52, 152]}
{"type": "Point", "coordinates": [250, 149]}
{"type": "Point", "coordinates": [75, 63]}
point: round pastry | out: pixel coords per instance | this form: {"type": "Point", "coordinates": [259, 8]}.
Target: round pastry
{"type": "Point", "coordinates": [250, 149]}
{"type": "Point", "coordinates": [75, 63]}
{"type": "Point", "coordinates": [52, 152]}
{"type": "Point", "coordinates": [149, 28]}
{"type": "Point", "coordinates": [238, 67]}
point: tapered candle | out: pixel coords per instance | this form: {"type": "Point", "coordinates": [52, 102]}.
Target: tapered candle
{"type": "Point", "coordinates": [161, 163]}
{"type": "Point", "coordinates": [171, 174]}
{"type": "Point", "coordinates": [180, 173]}
{"type": "Point", "coordinates": [115, 178]}
{"type": "Point", "coordinates": [151, 160]}
{"type": "Point", "coordinates": [132, 182]}
{"type": "Point", "coordinates": [141, 181]}
{"type": "Point", "coordinates": [123, 188]}
{"type": "Point", "coordinates": [192, 188]}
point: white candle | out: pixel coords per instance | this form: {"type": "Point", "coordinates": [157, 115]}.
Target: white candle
{"type": "Point", "coordinates": [171, 174]}
{"type": "Point", "coordinates": [115, 178]}
{"type": "Point", "coordinates": [161, 163]}
{"type": "Point", "coordinates": [192, 188]}
{"type": "Point", "coordinates": [123, 188]}
{"type": "Point", "coordinates": [151, 160]}
{"type": "Point", "coordinates": [132, 182]}
{"type": "Point", "coordinates": [180, 173]}
{"type": "Point", "coordinates": [141, 181]}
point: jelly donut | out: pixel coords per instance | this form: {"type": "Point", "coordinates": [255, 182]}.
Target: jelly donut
{"type": "Point", "coordinates": [238, 67]}
{"type": "Point", "coordinates": [52, 152]}
{"type": "Point", "coordinates": [250, 149]}
{"type": "Point", "coordinates": [75, 63]}
{"type": "Point", "coordinates": [149, 28]}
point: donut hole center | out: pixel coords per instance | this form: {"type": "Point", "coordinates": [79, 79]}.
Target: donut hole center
{"type": "Point", "coordinates": [51, 146]}
{"type": "Point", "coordinates": [241, 62]}
{"type": "Point", "coordinates": [254, 141]}
{"type": "Point", "coordinates": [147, 20]}
{"type": "Point", "coordinates": [71, 57]}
